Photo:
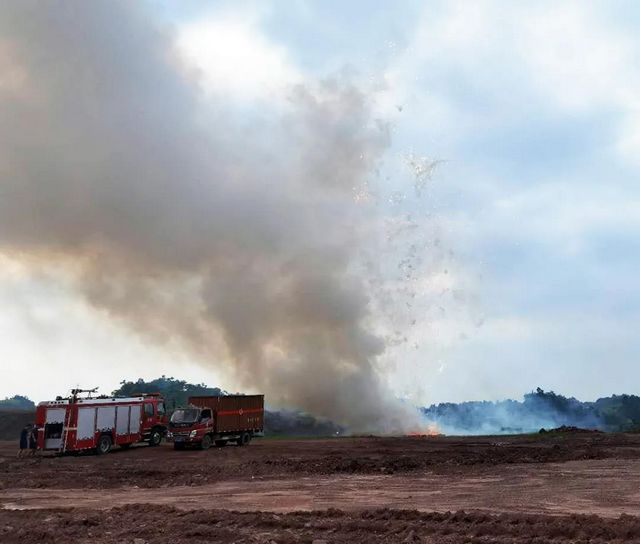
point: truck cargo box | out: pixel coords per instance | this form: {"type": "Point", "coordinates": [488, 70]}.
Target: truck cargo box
{"type": "Point", "coordinates": [233, 413]}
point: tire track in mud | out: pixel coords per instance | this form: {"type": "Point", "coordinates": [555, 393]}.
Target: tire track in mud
{"type": "Point", "coordinates": [606, 488]}
{"type": "Point", "coordinates": [144, 524]}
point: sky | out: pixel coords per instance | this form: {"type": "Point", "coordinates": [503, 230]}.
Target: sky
{"type": "Point", "coordinates": [531, 112]}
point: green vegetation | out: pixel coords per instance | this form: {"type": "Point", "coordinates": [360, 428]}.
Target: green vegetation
{"type": "Point", "coordinates": [175, 392]}
{"type": "Point", "coordinates": [619, 412]}
{"type": "Point", "coordinates": [17, 402]}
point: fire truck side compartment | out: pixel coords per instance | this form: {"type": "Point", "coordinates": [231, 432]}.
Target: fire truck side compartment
{"type": "Point", "coordinates": [134, 419]}
{"type": "Point", "coordinates": [86, 423]}
{"type": "Point", "coordinates": [106, 418]}
{"type": "Point", "coordinates": [53, 427]}
{"type": "Point", "coordinates": [122, 420]}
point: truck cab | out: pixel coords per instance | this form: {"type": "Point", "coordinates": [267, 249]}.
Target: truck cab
{"type": "Point", "coordinates": [154, 419]}
{"type": "Point", "coordinates": [191, 426]}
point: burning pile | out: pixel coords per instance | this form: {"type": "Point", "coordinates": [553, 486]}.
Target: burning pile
{"type": "Point", "coordinates": [430, 430]}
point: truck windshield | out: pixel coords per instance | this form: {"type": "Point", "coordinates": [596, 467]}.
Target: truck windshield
{"type": "Point", "coordinates": [185, 415]}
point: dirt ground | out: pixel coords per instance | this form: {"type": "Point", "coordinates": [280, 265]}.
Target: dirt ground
{"type": "Point", "coordinates": [161, 467]}
{"type": "Point", "coordinates": [566, 487]}
{"type": "Point", "coordinates": [141, 524]}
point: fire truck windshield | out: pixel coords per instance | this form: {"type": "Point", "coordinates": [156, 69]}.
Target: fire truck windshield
{"type": "Point", "coordinates": [185, 415]}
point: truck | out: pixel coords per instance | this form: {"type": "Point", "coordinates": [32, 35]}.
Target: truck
{"type": "Point", "coordinates": [219, 420]}
{"type": "Point", "coordinates": [75, 424]}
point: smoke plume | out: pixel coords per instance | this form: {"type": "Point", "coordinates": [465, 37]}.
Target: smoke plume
{"type": "Point", "coordinates": [233, 240]}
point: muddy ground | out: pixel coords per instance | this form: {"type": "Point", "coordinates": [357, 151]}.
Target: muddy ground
{"type": "Point", "coordinates": [564, 487]}
{"type": "Point", "coordinates": [161, 467]}
{"type": "Point", "coordinates": [140, 524]}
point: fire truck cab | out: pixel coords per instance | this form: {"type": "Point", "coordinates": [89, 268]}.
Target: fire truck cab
{"type": "Point", "coordinates": [99, 423]}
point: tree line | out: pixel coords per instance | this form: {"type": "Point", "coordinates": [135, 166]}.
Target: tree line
{"type": "Point", "coordinates": [538, 409]}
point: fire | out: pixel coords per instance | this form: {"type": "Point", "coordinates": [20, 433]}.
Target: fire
{"type": "Point", "coordinates": [430, 430]}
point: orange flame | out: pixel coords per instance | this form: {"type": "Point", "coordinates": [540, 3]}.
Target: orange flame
{"type": "Point", "coordinates": [430, 430]}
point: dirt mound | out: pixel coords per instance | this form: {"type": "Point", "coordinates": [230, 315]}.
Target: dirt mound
{"type": "Point", "coordinates": [568, 429]}
{"type": "Point", "coordinates": [144, 524]}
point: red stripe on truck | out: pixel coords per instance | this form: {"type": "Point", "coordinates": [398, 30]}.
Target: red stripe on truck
{"type": "Point", "coordinates": [240, 412]}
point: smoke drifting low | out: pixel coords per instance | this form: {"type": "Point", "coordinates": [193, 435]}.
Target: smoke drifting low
{"type": "Point", "coordinates": [232, 239]}
{"type": "Point", "coordinates": [538, 410]}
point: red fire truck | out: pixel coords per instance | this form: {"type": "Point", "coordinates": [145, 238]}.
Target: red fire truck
{"type": "Point", "coordinates": [217, 420]}
{"type": "Point", "coordinates": [98, 423]}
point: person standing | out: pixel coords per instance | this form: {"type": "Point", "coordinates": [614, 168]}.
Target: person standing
{"type": "Point", "coordinates": [33, 441]}
{"type": "Point", "coordinates": [25, 433]}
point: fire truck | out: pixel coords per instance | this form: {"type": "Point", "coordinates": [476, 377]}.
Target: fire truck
{"type": "Point", "coordinates": [98, 423]}
{"type": "Point", "coordinates": [217, 420]}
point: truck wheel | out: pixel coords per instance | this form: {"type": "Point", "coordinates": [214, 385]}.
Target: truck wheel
{"type": "Point", "coordinates": [155, 438]}
{"type": "Point", "coordinates": [244, 439]}
{"type": "Point", "coordinates": [206, 442]}
{"type": "Point", "coordinates": [104, 444]}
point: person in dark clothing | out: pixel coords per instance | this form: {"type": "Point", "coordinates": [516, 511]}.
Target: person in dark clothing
{"type": "Point", "coordinates": [33, 440]}
{"type": "Point", "coordinates": [24, 439]}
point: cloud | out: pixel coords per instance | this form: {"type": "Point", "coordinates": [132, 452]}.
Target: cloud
{"type": "Point", "coordinates": [235, 59]}
{"type": "Point", "coordinates": [499, 62]}
{"type": "Point", "coordinates": [534, 109]}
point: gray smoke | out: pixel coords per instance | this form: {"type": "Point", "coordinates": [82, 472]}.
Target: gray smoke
{"type": "Point", "coordinates": [233, 240]}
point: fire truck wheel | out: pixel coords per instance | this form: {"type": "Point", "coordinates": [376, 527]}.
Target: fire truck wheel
{"type": "Point", "coordinates": [104, 444]}
{"type": "Point", "coordinates": [155, 438]}
{"type": "Point", "coordinates": [244, 439]}
{"type": "Point", "coordinates": [206, 442]}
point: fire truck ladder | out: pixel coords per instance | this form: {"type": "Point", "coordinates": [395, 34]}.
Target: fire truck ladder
{"type": "Point", "coordinates": [67, 422]}
{"type": "Point", "coordinates": [65, 430]}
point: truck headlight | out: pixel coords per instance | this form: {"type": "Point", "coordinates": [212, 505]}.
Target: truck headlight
{"type": "Point", "coordinates": [193, 433]}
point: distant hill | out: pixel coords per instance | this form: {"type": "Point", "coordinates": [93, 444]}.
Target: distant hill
{"type": "Point", "coordinates": [15, 413]}
{"type": "Point", "coordinates": [17, 402]}
{"type": "Point", "coordinates": [12, 421]}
